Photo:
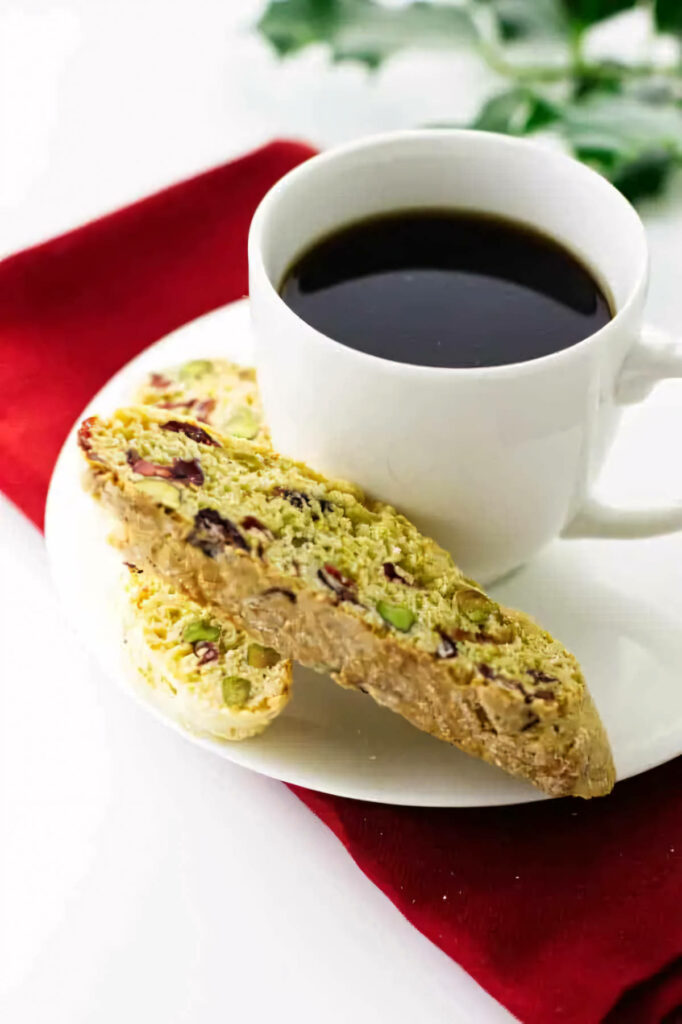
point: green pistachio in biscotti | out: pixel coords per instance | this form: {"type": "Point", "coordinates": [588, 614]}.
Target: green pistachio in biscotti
{"type": "Point", "coordinates": [211, 391]}
{"type": "Point", "coordinates": [397, 616]}
{"type": "Point", "coordinates": [315, 570]}
{"type": "Point", "coordinates": [200, 630]}
{"type": "Point", "coordinates": [475, 605]}
{"type": "Point", "coordinates": [194, 369]}
{"type": "Point", "coordinates": [259, 656]}
{"type": "Point", "coordinates": [244, 423]}
{"type": "Point", "coordinates": [160, 491]}
{"type": "Point", "coordinates": [236, 691]}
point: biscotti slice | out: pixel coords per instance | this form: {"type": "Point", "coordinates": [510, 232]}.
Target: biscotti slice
{"type": "Point", "coordinates": [224, 394]}
{"type": "Point", "coordinates": [347, 585]}
{"type": "Point", "coordinates": [196, 666]}
{"type": "Point", "coordinates": [212, 391]}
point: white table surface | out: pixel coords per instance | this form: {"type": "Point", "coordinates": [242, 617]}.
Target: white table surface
{"type": "Point", "coordinates": [141, 879]}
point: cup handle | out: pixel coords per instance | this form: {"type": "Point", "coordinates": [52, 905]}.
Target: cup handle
{"type": "Point", "coordinates": [655, 357]}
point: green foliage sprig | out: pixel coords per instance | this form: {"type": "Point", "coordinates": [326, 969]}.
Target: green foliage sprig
{"type": "Point", "coordinates": [625, 119]}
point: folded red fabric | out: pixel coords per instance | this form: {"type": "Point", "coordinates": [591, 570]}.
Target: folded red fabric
{"type": "Point", "coordinates": [564, 911]}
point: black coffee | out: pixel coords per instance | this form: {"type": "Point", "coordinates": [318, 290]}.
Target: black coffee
{"type": "Point", "coordinates": [445, 288]}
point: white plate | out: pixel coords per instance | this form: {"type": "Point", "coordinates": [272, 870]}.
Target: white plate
{"type": "Point", "coordinates": [617, 604]}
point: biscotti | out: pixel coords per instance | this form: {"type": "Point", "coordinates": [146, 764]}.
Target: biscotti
{"type": "Point", "coordinates": [229, 687]}
{"type": "Point", "coordinates": [196, 666]}
{"type": "Point", "coordinates": [346, 585]}
{"type": "Point", "coordinates": [212, 391]}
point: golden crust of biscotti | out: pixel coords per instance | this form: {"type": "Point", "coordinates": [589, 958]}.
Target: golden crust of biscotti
{"type": "Point", "coordinates": [558, 744]}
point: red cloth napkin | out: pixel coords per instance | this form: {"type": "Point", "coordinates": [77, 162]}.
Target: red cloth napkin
{"type": "Point", "coordinates": [565, 911]}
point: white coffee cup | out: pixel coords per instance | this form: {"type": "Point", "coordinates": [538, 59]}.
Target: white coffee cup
{"type": "Point", "coordinates": [493, 462]}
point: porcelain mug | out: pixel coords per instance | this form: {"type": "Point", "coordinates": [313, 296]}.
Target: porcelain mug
{"type": "Point", "coordinates": [492, 462]}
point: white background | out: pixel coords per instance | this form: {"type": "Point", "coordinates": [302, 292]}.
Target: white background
{"type": "Point", "coordinates": [141, 879]}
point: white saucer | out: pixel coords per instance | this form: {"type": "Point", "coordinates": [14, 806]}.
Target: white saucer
{"type": "Point", "coordinates": [617, 604]}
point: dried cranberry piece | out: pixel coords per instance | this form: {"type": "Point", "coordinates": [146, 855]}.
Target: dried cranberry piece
{"type": "Point", "coordinates": [189, 470]}
{"type": "Point", "coordinates": [295, 498]}
{"type": "Point", "coordinates": [533, 720]}
{"type": "Point", "coordinates": [340, 584]}
{"type": "Point", "coordinates": [178, 405]}
{"type": "Point", "coordinates": [191, 431]}
{"type": "Point", "coordinates": [541, 677]}
{"type": "Point", "coordinates": [184, 470]}
{"type": "Point", "coordinates": [206, 651]}
{"type": "Point", "coordinates": [289, 594]}
{"type": "Point", "coordinates": [85, 437]}
{"type": "Point", "coordinates": [392, 572]}
{"type": "Point", "coordinates": [345, 581]}
{"type": "Point", "coordinates": [251, 523]}
{"type": "Point", "coordinates": [145, 468]}
{"type": "Point", "coordinates": [157, 380]}
{"type": "Point", "coordinates": [212, 533]}
{"type": "Point", "coordinates": [204, 409]}
{"type": "Point", "coordinates": [447, 648]}
{"type": "Point", "coordinates": [511, 684]}
{"type": "Point", "coordinates": [300, 500]}
{"type": "Point", "coordinates": [541, 695]}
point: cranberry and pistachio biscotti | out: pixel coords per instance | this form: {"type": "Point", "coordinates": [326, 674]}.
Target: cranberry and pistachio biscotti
{"type": "Point", "coordinates": [347, 585]}
{"type": "Point", "coordinates": [212, 391]}
{"type": "Point", "coordinates": [196, 666]}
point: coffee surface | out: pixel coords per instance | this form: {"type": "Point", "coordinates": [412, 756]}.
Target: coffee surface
{"type": "Point", "coordinates": [445, 288]}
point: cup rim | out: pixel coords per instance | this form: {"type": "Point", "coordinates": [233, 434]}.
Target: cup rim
{"type": "Point", "coordinates": [380, 140]}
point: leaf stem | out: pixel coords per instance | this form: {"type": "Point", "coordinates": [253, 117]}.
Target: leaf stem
{"type": "Point", "coordinates": [575, 42]}
{"type": "Point", "coordinates": [548, 73]}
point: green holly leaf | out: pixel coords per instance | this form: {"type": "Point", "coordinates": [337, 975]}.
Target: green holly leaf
{"type": "Point", "coordinates": [634, 143]}
{"type": "Point", "coordinates": [515, 112]}
{"type": "Point", "coordinates": [606, 77]}
{"type": "Point", "coordinates": [589, 12]}
{"type": "Point", "coordinates": [364, 30]}
{"type": "Point", "coordinates": [668, 15]}
{"type": "Point", "coordinates": [293, 24]}
{"type": "Point", "coordinates": [639, 177]}
{"type": "Point", "coordinates": [529, 19]}
{"type": "Point", "coordinates": [625, 121]}
{"type": "Point", "coordinates": [623, 124]}
{"type": "Point", "coordinates": [645, 175]}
